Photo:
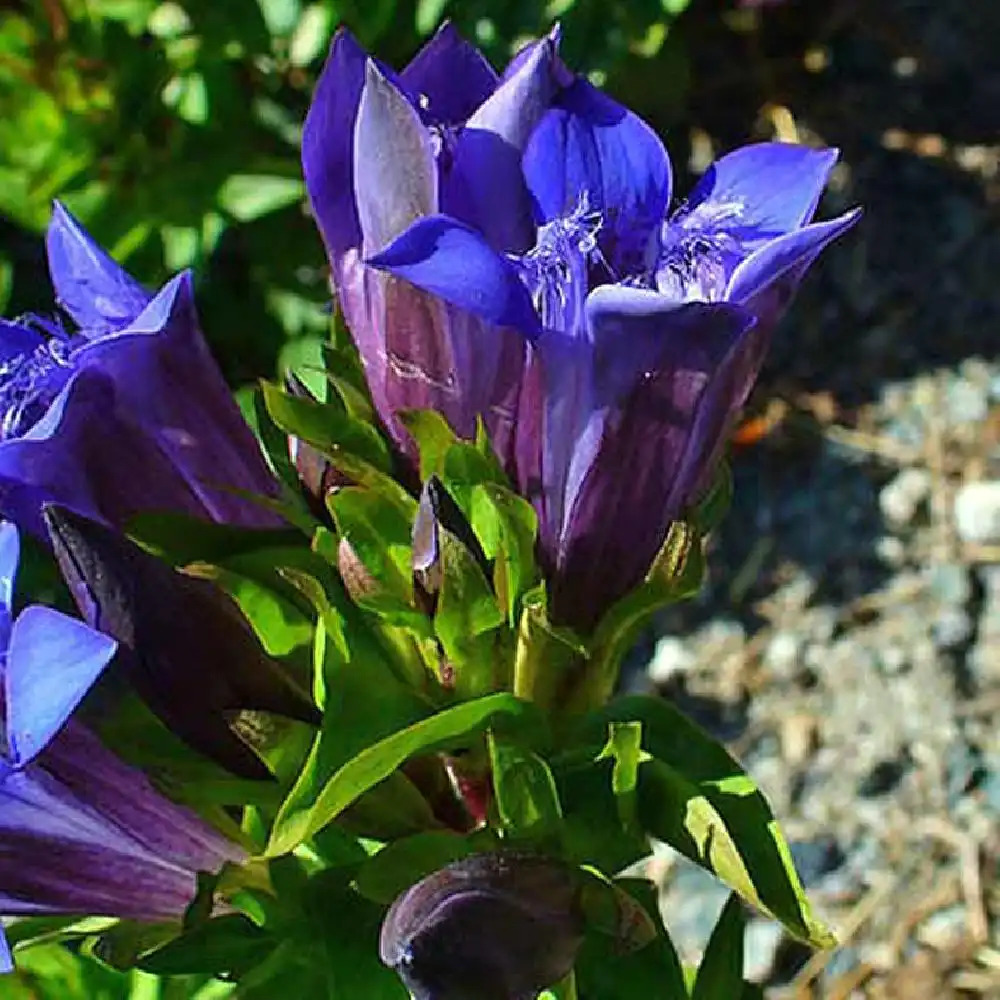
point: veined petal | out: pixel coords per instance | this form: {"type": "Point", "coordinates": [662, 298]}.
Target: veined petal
{"type": "Point", "coordinates": [89, 284]}
{"type": "Point", "coordinates": [52, 662]}
{"type": "Point", "coordinates": [782, 262]}
{"type": "Point", "coordinates": [588, 149]}
{"type": "Point", "coordinates": [167, 384]}
{"type": "Point", "coordinates": [760, 192]}
{"type": "Point", "coordinates": [487, 165]}
{"type": "Point", "coordinates": [395, 179]}
{"type": "Point", "coordinates": [642, 464]}
{"type": "Point", "coordinates": [451, 260]}
{"type": "Point", "coordinates": [328, 144]}
{"type": "Point", "coordinates": [451, 75]}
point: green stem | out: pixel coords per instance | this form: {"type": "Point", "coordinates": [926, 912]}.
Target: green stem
{"type": "Point", "coordinates": [565, 989]}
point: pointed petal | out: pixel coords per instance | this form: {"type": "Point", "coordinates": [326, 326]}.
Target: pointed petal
{"type": "Point", "coordinates": [451, 260]}
{"type": "Point", "coordinates": [452, 75]}
{"type": "Point", "coordinates": [90, 286]}
{"type": "Point", "coordinates": [761, 191]}
{"type": "Point", "coordinates": [588, 146]}
{"type": "Point", "coordinates": [783, 262]}
{"type": "Point", "coordinates": [167, 385]}
{"type": "Point", "coordinates": [395, 178]}
{"type": "Point", "coordinates": [487, 163]}
{"type": "Point", "coordinates": [328, 144]}
{"type": "Point", "coordinates": [188, 650]}
{"type": "Point", "coordinates": [52, 662]}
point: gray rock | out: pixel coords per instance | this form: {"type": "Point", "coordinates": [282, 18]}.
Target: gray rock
{"type": "Point", "coordinates": [761, 942]}
{"type": "Point", "coordinates": [952, 628]}
{"type": "Point", "coordinates": [949, 584]}
{"type": "Point", "coordinates": [902, 497]}
{"type": "Point", "coordinates": [977, 512]}
{"type": "Point", "coordinates": [783, 654]}
{"type": "Point", "coordinates": [966, 402]}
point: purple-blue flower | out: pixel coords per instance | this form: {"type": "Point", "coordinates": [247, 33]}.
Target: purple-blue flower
{"type": "Point", "coordinates": [123, 409]}
{"type": "Point", "coordinates": [647, 324]}
{"type": "Point", "coordinates": [381, 151]}
{"type": "Point", "coordinates": [80, 831]}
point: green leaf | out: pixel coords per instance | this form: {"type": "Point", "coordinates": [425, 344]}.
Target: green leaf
{"type": "Point", "coordinates": [624, 747]}
{"type": "Point", "coordinates": [466, 621]}
{"type": "Point", "coordinates": [404, 863]}
{"type": "Point", "coordinates": [433, 436]}
{"type": "Point", "coordinates": [506, 526]}
{"type": "Point", "coordinates": [676, 574]}
{"type": "Point", "coordinates": [652, 972]}
{"type": "Point", "coordinates": [429, 15]}
{"type": "Point", "coordinates": [525, 793]}
{"type": "Point", "coordinates": [546, 658]}
{"type": "Point", "coordinates": [379, 535]}
{"type": "Point", "coordinates": [327, 427]}
{"type": "Point", "coordinates": [249, 196]}
{"type": "Point", "coordinates": [453, 728]}
{"type": "Point", "coordinates": [720, 975]}
{"type": "Point", "coordinates": [311, 34]}
{"type": "Point", "coordinates": [228, 944]}
{"type": "Point", "coordinates": [694, 796]}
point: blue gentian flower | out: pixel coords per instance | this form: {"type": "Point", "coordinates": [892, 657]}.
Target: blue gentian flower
{"type": "Point", "coordinates": [123, 409]}
{"type": "Point", "coordinates": [647, 324]}
{"type": "Point", "coordinates": [380, 151]}
{"type": "Point", "coordinates": [80, 831]}
{"type": "Point", "coordinates": [498, 926]}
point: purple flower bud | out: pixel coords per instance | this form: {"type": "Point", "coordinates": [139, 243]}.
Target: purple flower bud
{"type": "Point", "coordinates": [125, 410]}
{"type": "Point", "coordinates": [500, 926]}
{"type": "Point", "coordinates": [184, 644]}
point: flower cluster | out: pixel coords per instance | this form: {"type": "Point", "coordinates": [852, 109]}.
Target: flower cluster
{"type": "Point", "coordinates": [507, 248]}
{"type": "Point", "coordinates": [554, 352]}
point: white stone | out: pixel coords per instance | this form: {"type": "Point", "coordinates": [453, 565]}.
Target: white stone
{"type": "Point", "coordinates": [670, 657]}
{"type": "Point", "coordinates": [977, 512]}
{"type": "Point", "coordinates": [901, 498]}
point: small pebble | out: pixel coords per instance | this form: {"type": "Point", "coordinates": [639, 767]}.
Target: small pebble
{"type": "Point", "coordinates": [900, 499]}
{"type": "Point", "coordinates": [945, 929]}
{"type": "Point", "coordinates": [977, 512]}
{"type": "Point", "coordinates": [761, 941]}
{"type": "Point", "coordinates": [783, 653]}
{"type": "Point", "coordinates": [949, 583]}
{"type": "Point", "coordinates": [799, 737]}
{"type": "Point", "coordinates": [881, 779]}
{"type": "Point", "coordinates": [670, 658]}
{"type": "Point", "coordinates": [952, 629]}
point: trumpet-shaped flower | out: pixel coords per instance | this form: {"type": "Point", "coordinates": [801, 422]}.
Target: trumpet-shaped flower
{"type": "Point", "coordinates": [647, 324]}
{"type": "Point", "coordinates": [124, 410]}
{"type": "Point", "coordinates": [80, 831]}
{"type": "Point", "coordinates": [381, 151]}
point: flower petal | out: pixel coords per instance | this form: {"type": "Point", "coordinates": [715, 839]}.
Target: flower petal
{"type": "Point", "coordinates": [451, 260]}
{"type": "Point", "coordinates": [487, 157]}
{"type": "Point", "coordinates": [6, 959]}
{"type": "Point", "coordinates": [17, 340]}
{"type": "Point", "coordinates": [52, 662]}
{"type": "Point", "coordinates": [451, 75]}
{"type": "Point", "coordinates": [761, 191]}
{"type": "Point", "coordinates": [784, 261]}
{"type": "Point", "coordinates": [90, 286]}
{"type": "Point", "coordinates": [10, 554]}
{"type": "Point", "coordinates": [395, 178]}
{"type": "Point", "coordinates": [664, 382]}
{"type": "Point", "coordinates": [590, 147]}
{"type": "Point", "coordinates": [167, 384]}
{"type": "Point", "coordinates": [328, 144]}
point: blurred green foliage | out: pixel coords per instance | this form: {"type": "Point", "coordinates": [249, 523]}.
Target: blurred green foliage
{"type": "Point", "coordinates": [172, 129]}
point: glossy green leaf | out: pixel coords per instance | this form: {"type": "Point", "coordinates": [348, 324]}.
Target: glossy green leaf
{"type": "Point", "coordinates": [694, 796]}
{"type": "Point", "coordinates": [720, 975]}
{"type": "Point", "coordinates": [404, 863]}
{"type": "Point", "coordinates": [525, 793]}
{"type": "Point", "coordinates": [227, 944]}
{"type": "Point", "coordinates": [454, 728]}
{"type": "Point", "coordinates": [247, 196]}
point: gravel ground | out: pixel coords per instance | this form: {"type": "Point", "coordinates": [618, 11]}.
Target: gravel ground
{"type": "Point", "coordinates": [848, 642]}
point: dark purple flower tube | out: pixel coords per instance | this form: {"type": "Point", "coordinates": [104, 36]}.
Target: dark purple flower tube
{"type": "Point", "coordinates": [124, 412]}
{"type": "Point", "coordinates": [500, 926]}
{"type": "Point", "coordinates": [381, 151]}
{"type": "Point", "coordinates": [183, 643]}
